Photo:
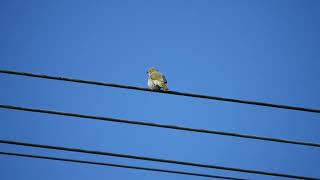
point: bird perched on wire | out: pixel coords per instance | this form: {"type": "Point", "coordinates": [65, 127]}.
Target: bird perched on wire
{"type": "Point", "coordinates": [156, 80]}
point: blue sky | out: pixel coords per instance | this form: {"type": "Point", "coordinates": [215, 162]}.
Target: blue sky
{"type": "Point", "coordinates": [254, 50]}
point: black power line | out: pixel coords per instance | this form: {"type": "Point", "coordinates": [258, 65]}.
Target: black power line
{"type": "Point", "coordinates": [120, 166]}
{"type": "Point", "coordinates": [157, 160]}
{"type": "Point", "coordinates": [165, 92]}
{"type": "Point", "coordinates": [162, 126]}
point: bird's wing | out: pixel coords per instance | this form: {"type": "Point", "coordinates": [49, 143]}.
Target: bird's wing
{"type": "Point", "coordinates": [157, 76]}
{"type": "Point", "coordinates": [164, 79]}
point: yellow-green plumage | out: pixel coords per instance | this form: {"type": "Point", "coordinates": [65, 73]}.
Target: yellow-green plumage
{"type": "Point", "coordinates": [156, 80]}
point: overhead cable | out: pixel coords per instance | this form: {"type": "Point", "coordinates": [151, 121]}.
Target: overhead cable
{"type": "Point", "coordinates": [120, 166]}
{"type": "Point", "coordinates": [164, 92]}
{"type": "Point", "coordinates": [158, 160]}
{"type": "Point", "coordinates": [142, 123]}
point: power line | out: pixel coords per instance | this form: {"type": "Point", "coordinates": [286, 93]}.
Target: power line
{"type": "Point", "coordinates": [120, 166]}
{"type": "Point", "coordinates": [162, 126]}
{"type": "Point", "coordinates": [165, 92]}
{"type": "Point", "coordinates": [157, 160]}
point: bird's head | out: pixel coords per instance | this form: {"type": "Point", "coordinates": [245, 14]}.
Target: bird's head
{"type": "Point", "coordinates": [151, 70]}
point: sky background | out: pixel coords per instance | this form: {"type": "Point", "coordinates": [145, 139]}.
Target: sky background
{"type": "Point", "coordinates": [253, 50]}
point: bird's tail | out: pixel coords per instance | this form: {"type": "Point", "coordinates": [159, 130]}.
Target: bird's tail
{"type": "Point", "coordinates": [162, 85]}
{"type": "Point", "coordinates": [165, 87]}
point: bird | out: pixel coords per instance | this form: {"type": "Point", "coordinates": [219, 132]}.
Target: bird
{"type": "Point", "coordinates": [156, 80]}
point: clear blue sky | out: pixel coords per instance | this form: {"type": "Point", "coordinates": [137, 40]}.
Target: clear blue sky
{"type": "Point", "coordinates": [255, 50]}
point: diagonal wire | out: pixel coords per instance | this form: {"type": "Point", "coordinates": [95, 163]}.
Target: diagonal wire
{"type": "Point", "coordinates": [158, 160]}
{"type": "Point", "coordinates": [120, 166]}
{"type": "Point", "coordinates": [161, 126]}
{"type": "Point", "coordinates": [165, 92]}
